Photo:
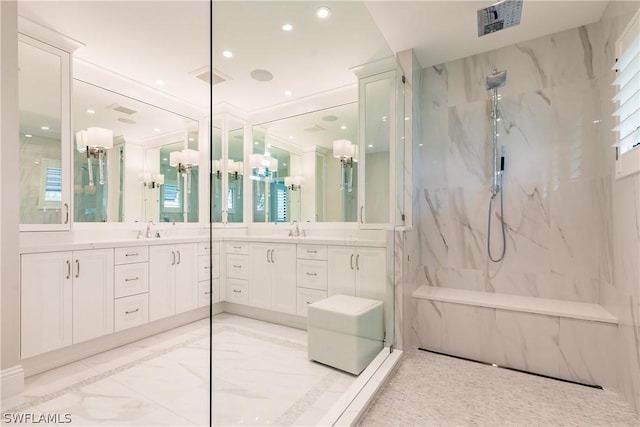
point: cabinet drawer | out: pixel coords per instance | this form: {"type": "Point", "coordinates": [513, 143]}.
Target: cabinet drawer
{"type": "Point", "coordinates": [238, 266]}
{"type": "Point", "coordinates": [205, 248]}
{"type": "Point", "coordinates": [306, 297]}
{"type": "Point", "coordinates": [237, 248]}
{"type": "Point", "coordinates": [237, 291]}
{"type": "Point", "coordinates": [312, 274]}
{"type": "Point", "coordinates": [203, 266]}
{"type": "Point", "coordinates": [131, 311]}
{"type": "Point", "coordinates": [204, 292]}
{"type": "Point", "coordinates": [131, 254]}
{"type": "Point", "coordinates": [312, 252]}
{"type": "Point", "coordinates": [131, 279]}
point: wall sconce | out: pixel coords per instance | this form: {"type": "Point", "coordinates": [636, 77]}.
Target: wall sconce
{"type": "Point", "coordinates": [95, 141]}
{"type": "Point", "coordinates": [184, 161]}
{"type": "Point", "coordinates": [347, 153]}
{"type": "Point", "coordinates": [152, 180]}
{"type": "Point", "coordinates": [234, 169]}
{"type": "Point", "coordinates": [264, 164]}
{"type": "Point", "coordinates": [293, 183]}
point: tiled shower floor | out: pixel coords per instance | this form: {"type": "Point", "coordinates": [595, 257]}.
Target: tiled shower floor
{"type": "Point", "coordinates": [435, 390]}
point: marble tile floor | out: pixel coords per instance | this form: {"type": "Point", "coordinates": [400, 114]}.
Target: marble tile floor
{"type": "Point", "coordinates": [429, 389]}
{"type": "Point", "coordinates": [261, 376]}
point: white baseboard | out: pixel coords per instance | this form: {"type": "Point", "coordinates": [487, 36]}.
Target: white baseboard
{"type": "Point", "coordinates": [11, 381]}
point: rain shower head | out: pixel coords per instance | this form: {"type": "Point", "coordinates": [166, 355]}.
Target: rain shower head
{"type": "Point", "coordinates": [496, 79]}
{"type": "Point", "coordinates": [498, 16]}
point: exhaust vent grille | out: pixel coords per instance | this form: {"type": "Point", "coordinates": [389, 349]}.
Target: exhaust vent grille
{"type": "Point", "coordinates": [122, 109]}
{"type": "Point", "coordinates": [315, 128]}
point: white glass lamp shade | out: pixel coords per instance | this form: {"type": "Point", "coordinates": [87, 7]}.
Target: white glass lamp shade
{"type": "Point", "coordinates": [145, 177]}
{"type": "Point", "coordinates": [255, 160]}
{"type": "Point", "coordinates": [100, 137]}
{"type": "Point", "coordinates": [175, 157]}
{"type": "Point", "coordinates": [298, 180]}
{"type": "Point", "coordinates": [158, 178]}
{"type": "Point", "coordinates": [273, 164]}
{"type": "Point", "coordinates": [343, 149]}
{"type": "Point", "coordinates": [230, 166]}
{"type": "Point", "coordinates": [82, 140]}
{"type": "Point", "coordinates": [238, 167]}
{"type": "Point", "coordinates": [288, 181]}
{"type": "Point", "coordinates": [216, 166]}
{"type": "Point", "coordinates": [190, 157]}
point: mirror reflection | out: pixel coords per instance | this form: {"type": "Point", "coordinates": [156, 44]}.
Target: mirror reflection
{"type": "Point", "coordinates": [134, 152]}
{"type": "Point", "coordinates": [40, 109]}
{"type": "Point", "coordinates": [315, 180]}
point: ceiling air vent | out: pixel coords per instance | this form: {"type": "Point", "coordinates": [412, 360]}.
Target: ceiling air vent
{"type": "Point", "coordinates": [315, 128]}
{"type": "Point", "coordinates": [207, 76]}
{"type": "Point", "coordinates": [122, 109]}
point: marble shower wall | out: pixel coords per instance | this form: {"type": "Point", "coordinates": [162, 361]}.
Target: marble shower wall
{"type": "Point", "coordinates": [623, 298]}
{"type": "Point", "coordinates": [556, 180]}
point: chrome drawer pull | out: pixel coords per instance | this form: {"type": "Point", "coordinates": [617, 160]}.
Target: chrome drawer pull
{"type": "Point", "coordinates": [207, 293]}
{"type": "Point", "coordinates": [312, 252]}
{"type": "Point", "coordinates": [237, 291]}
{"type": "Point", "coordinates": [237, 266]}
{"type": "Point", "coordinates": [132, 311]}
{"type": "Point", "coordinates": [308, 302]}
{"type": "Point", "coordinates": [132, 254]}
{"type": "Point", "coordinates": [311, 274]}
{"type": "Point", "coordinates": [68, 269]}
{"type": "Point", "coordinates": [237, 247]}
{"type": "Point", "coordinates": [131, 280]}
{"type": "Point", "coordinates": [206, 267]}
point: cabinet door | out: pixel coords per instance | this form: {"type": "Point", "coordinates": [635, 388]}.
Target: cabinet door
{"type": "Point", "coordinates": [284, 278]}
{"type": "Point", "coordinates": [186, 277]}
{"type": "Point", "coordinates": [162, 263]}
{"type": "Point", "coordinates": [45, 295]}
{"type": "Point", "coordinates": [342, 273]}
{"type": "Point", "coordinates": [260, 275]}
{"type": "Point", "coordinates": [92, 294]}
{"type": "Point", "coordinates": [371, 273]}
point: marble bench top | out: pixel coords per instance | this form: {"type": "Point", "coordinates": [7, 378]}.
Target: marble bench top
{"type": "Point", "coordinates": [546, 306]}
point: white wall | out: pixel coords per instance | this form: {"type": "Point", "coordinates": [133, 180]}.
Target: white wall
{"type": "Point", "coordinates": [9, 198]}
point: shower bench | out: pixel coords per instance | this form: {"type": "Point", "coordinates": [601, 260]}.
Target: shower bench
{"type": "Point", "coordinates": [569, 340]}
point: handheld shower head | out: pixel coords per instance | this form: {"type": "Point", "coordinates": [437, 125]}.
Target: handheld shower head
{"type": "Point", "coordinates": [496, 79]}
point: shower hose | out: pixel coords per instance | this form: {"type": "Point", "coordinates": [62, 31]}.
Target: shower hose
{"type": "Point", "coordinates": [504, 238]}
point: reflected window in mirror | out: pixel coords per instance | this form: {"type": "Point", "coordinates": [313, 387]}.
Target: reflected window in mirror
{"type": "Point", "coordinates": [42, 177]}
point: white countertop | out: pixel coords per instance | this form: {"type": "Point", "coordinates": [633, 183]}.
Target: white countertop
{"type": "Point", "coordinates": [545, 306]}
{"type": "Point", "coordinates": [170, 240]}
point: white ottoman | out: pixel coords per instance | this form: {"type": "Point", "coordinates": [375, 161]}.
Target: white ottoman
{"type": "Point", "coordinates": [345, 332]}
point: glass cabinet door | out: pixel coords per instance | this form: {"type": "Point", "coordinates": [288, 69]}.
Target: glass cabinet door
{"type": "Point", "coordinates": [235, 172]}
{"type": "Point", "coordinates": [377, 130]}
{"type": "Point", "coordinates": [44, 136]}
{"type": "Point", "coordinates": [216, 174]}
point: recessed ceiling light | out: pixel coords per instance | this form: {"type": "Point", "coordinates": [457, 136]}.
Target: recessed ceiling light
{"type": "Point", "coordinates": [330, 118]}
{"type": "Point", "coordinates": [284, 164]}
{"type": "Point", "coordinates": [165, 159]}
{"type": "Point", "coordinates": [45, 128]}
{"type": "Point", "coordinates": [370, 145]}
{"type": "Point", "coordinates": [406, 118]}
{"type": "Point", "coordinates": [384, 118]}
{"type": "Point", "coordinates": [91, 111]}
{"type": "Point", "coordinates": [421, 145]}
{"type": "Point", "coordinates": [256, 143]}
{"type": "Point", "coordinates": [28, 135]}
{"type": "Point", "coordinates": [290, 136]}
{"type": "Point", "coordinates": [156, 129]}
{"type": "Point", "coordinates": [160, 82]}
{"type": "Point", "coordinates": [596, 121]}
{"type": "Point", "coordinates": [191, 139]}
{"type": "Point", "coordinates": [287, 27]}
{"type": "Point", "coordinates": [323, 12]}
{"type": "Point", "coordinates": [287, 93]}
{"type": "Point", "coordinates": [37, 162]}
{"type": "Point", "coordinates": [227, 53]}
{"type": "Point", "coordinates": [343, 127]}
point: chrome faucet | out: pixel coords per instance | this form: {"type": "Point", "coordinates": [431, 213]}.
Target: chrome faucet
{"type": "Point", "coordinates": [295, 232]}
{"type": "Point", "coordinates": [149, 224]}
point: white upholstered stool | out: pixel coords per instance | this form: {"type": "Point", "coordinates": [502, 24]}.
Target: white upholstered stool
{"type": "Point", "coordinates": [345, 332]}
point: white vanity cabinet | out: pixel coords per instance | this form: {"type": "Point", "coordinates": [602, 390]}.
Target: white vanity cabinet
{"type": "Point", "coordinates": [272, 276]}
{"type": "Point", "coordinates": [208, 264]}
{"type": "Point", "coordinates": [173, 279]}
{"type": "Point", "coordinates": [66, 298]}
{"type": "Point", "coordinates": [131, 305]}
{"type": "Point", "coordinates": [358, 271]}
{"type": "Point", "coordinates": [237, 272]}
{"type": "Point", "coordinates": [311, 276]}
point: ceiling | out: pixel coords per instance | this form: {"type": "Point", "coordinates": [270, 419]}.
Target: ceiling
{"type": "Point", "coordinates": [169, 40]}
{"type": "Point", "coordinates": [442, 31]}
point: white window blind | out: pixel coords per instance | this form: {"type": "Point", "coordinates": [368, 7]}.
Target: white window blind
{"type": "Point", "coordinates": [627, 84]}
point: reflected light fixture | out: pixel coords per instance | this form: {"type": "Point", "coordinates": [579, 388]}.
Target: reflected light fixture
{"type": "Point", "coordinates": [184, 161]}
{"type": "Point", "coordinates": [151, 180]}
{"type": "Point", "coordinates": [347, 152]}
{"type": "Point", "coordinates": [323, 12]}
{"type": "Point", "coordinates": [293, 183]}
{"type": "Point", "coordinates": [95, 141]}
{"type": "Point", "coordinates": [263, 164]}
